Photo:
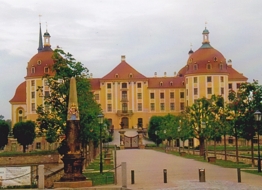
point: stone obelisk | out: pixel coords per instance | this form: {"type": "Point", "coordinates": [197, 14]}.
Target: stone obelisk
{"type": "Point", "coordinates": [73, 159]}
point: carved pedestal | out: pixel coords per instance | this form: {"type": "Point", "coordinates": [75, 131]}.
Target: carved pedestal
{"type": "Point", "coordinates": [122, 142]}
{"type": "Point", "coordinates": [73, 167]}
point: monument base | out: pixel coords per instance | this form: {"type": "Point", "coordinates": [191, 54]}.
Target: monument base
{"type": "Point", "coordinates": [73, 184]}
{"type": "Point", "coordinates": [73, 168]}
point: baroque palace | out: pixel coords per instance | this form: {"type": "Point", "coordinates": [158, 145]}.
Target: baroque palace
{"type": "Point", "coordinates": [129, 98]}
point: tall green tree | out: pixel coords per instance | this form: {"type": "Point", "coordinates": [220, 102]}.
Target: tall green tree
{"type": "Point", "coordinates": [243, 104]}
{"type": "Point", "coordinates": [53, 114]}
{"type": "Point", "coordinates": [154, 129]}
{"type": "Point", "coordinates": [199, 114]}
{"type": "Point", "coordinates": [4, 128]}
{"type": "Point", "coordinates": [24, 132]}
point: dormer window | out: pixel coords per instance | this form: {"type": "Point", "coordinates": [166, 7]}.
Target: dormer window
{"type": "Point", "coordinates": [130, 75]}
{"type": "Point", "coordinates": [161, 83]}
{"type": "Point", "coordinates": [208, 66]}
{"type": "Point", "coordinates": [195, 67]}
{"type": "Point", "coordinates": [33, 70]}
{"type": "Point", "coordinates": [46, 70]}
{"type": "Point", "coordinates": [215, 59]}
{"type": "Point", "coordinates": [38, 62]}
{"type": "Point", "coordinates": [171, 83]}
{"type": "Point", "coordinates": [220, 66]}
{"type": "Point", "coordinates": [116, 75]}
{"type": "Point", "coordinates": [187, 67]}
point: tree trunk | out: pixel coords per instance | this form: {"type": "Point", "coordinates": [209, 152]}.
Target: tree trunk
{"type": "Point", "coordinates": [225, 147]}
{"type": "Point", "coordinates": [201, 146]}
{"type": "Point", "coordinates": [24, 148]}
{"type": "Point", "coordinates": [215, 147]}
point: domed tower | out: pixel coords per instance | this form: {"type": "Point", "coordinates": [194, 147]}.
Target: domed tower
{"type": "Point", "coordinates": [38, 66]}
{"type": "Point", "coordinates": [27, 98]}
{"type": "Point", "coordinates": [205, 72]}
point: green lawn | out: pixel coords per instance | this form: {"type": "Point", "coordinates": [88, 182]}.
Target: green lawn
{"type": "Point", "coordinates": [93, 172]}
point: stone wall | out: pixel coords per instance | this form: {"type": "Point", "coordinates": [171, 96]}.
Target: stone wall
{"type": "Point", "coordinates": [29, 159]}
{"type": "Point", "coordinates": [53, 177]}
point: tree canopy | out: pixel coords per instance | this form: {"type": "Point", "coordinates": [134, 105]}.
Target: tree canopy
{"type": "Point", "coordinates": [24, 132]}
{"type": "Point", "coordinates": [53, 114]}
{"type": "Point", "coordinates": [4, 128]}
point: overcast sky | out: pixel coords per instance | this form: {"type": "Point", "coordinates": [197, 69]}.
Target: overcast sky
{"type": "Point", "coordinates": [155, 35]}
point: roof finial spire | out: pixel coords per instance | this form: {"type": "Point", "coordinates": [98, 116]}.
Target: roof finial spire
{"type": "Point", "coordinates": [206, 24]}
{"type": "Point", "coordinates": [40, 45]}
{"type": "Point", "coordinates": [190, 51]}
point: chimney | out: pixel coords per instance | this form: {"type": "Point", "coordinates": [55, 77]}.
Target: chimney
{"type": "Point", "coordinates": [164, 74]}
{"type": "Point", "coordinates": [155, 74]}
{"type": "Point", "coordinates": [123, 57]}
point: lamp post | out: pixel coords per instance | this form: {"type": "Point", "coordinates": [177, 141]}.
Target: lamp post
{"type": "Point", "coordinates": [203, 126]}
{"type": "Point", "coordinates": [257, 116]}
{"type": "Point", "coordinates": [100, 121]}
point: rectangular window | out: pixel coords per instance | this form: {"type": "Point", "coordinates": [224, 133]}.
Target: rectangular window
{"type": "Point", "coordinates": [20, 118]}
{"type": "Point", "coordinates": [152, 106]}
{"type": "Point", "coordinates": [46, 70]}
{"type": "Point", "coordinates": [38, 145]}
{"type": "Point", "coordinates": [195, 91]}
{"type": "Point", "coordinates": [162, 106]}
{"type": "Point", "coordinates": [139, 85]}
{"type": "Point", "coordinates": [124, 95]}
{"type": "Point", "coordinates": [96, 96]}
{"type": "Point", "coordinates": [32, 95]}
{"type": "Point", "coordinates": [209, 79]}
{"type": "Point", "coordinates": [109, 85]}
{"type": "Point", "coordinates": [195, 79]}
{"type": "Point", "coordinates": [139, 106]}
{"type": "Point", "coordinates": [182, 106]}
{"type": "Point", "coordinates": [139, 95]}
{"type": "Point", "coordinates": [172, 95]}
{"type": "Point", "coordinates": [230, 140]}
{"type": "Point", "coordinates": [32, 82]}
{"type": "Point", "coordinates": [32, 70]}
{"type": "Point", "coordinates": [109, 107]}
{"type": "Point", "coordinates": [230, 85]}
{"type": "Point", "coordinates": [222, 91]}
{"type": "Point", "coordinates": [187, 92]}
{"type": "Point", "coordinates": [152, 95]}
{"type": "Point", "coordinates": [124, 85]}
{"type": "Point", "coordinates": [33, 106]}
{"type": "Point", "coordinates": [182, 95]}
{"type": "Point", "coordinates": [209, 90]}
{"type": "Point", "coordinates": [162, 95]}
{"type": "Point", "coordinates": [47, 94]}
{"type": "Point", "coordinates": [109, 96]}
{"type": "Point", "coordinates": [238, 85]}
{"type": "Point", "coordinates": [221, 79]}
{"type": "Point", "coordinates": [172, 106]}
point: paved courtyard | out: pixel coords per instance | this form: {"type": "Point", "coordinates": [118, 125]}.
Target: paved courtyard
{"type": "Point", "coordinates": [182, 173]}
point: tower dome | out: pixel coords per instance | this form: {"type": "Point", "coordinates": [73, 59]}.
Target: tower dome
{"type": "Point", "coordinates": [206, 59]}
{"type": "Point", "coordinates": [40, 64]}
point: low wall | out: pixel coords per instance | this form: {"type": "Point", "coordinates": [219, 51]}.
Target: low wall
{"type": "Point", "coordinates": [53, 177]}
{"type": "Point", "coordinates": [29, 159]}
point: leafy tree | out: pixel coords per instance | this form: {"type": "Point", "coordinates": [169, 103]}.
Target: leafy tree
{"type": "Point", "coordinates": [2, 117]}
{"type": "Point", "coordinates": [4, 128]}
{"type": "Point", "coordinates": [24, 132]}
{"type": "Point", "coordinates": [243, 105]}
{"type": "Point", "coordinates": [200, 112]}
{"type": "Point", "coordinates": [53, 114]}
{"type": "Point", "coordinates": [185, 130]}
{"type": "Point", "coordinates": [154, 128]}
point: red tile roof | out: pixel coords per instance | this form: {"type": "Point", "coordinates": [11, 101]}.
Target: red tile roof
{"type": "Point", "coordinates": [234, 75]}
{"type": "Point", "coordinates": [95, 83]}
{"type": "Point", "coordinates": [123, 70]}
{"type": "Point", "coordinates": [20, 94]}
{"type": "Point", "coordinates": [166, 82]}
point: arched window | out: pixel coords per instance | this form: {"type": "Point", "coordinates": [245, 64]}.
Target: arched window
{"type": "Point", "coordinates": [116, 75]}
{"type": "Point", "coordinates": [161, 83]}
{"type": "Point", "coordinates": [33, 70]}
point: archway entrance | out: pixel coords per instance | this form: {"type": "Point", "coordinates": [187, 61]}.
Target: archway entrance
{"type": "Point", "coordinates": [124, 120]}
